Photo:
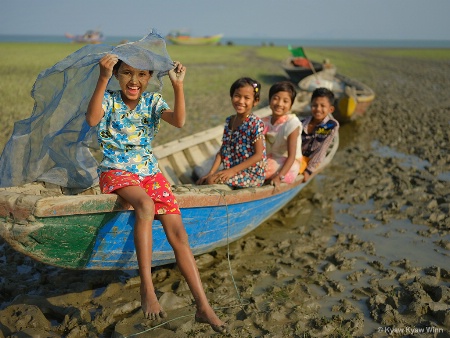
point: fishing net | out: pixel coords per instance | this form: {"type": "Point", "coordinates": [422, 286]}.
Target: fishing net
{"type": "Point", "coordinates": [56, 144]}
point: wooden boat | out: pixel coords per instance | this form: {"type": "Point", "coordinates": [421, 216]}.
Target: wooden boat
{"type": "Point", "coordinates": [185, 39]}
{"type": "Point", "coordinates": [90, 230]}
{"type": "Point", "coordinates": [353, 97]}
{"type": "Point", "coordinates": [297, 68]}
{"type": "Point", "coordinates": [91, 36]}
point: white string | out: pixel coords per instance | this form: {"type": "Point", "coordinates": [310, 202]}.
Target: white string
{"type": "Point", "coordinates": [231, 274]}
{"type": "Point", "coordinates": [228, 252]}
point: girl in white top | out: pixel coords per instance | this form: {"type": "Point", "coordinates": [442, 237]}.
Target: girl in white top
{"type": "Point", "coordinates": [283, 135]}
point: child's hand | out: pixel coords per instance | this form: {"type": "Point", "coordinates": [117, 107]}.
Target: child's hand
{"type": "Point", "coordinates": [276, 181]}
{"type": "Point", "coordinates": [107, 64]}
{"type": "Point", "coordinates": [223, 176]}
{"type": "Point", "coordinates": [305, 176]}
{"type": "Point", "coordinates": [177, 73]}
{"type": "Point", "coordinates": [202, 180]}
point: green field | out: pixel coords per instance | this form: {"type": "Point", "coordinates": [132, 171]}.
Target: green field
{"type": "Point", "coordinates": [211, 70]}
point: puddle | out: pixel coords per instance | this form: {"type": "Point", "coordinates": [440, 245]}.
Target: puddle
{"type": "Point", "coordinates": [444, 176]}
{"type": "Point", "coordinates": [409, 161]}
{"type": "Point", "coordinates": [392, 241]}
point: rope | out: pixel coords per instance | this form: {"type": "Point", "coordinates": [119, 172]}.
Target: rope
{"type": "Point", "coordinates": [228, 253]}
{"type": "Point", "coordinates": [241, 302]}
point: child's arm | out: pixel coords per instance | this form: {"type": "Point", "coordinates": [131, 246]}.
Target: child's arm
{"type": "Point", "coordinates": [292, 151]}
{"type": "Point", "coordinates": [95, 111]}
{"type": "Point", "coordinates": [177, 116]}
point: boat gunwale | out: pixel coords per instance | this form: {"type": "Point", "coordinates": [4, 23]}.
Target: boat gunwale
{"type": "Point", "coordinates": [365, 92]}
{"type": "Point", "coordinates": [21, 207]}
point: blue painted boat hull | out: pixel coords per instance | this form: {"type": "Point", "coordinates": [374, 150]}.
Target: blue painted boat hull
{"type": "Point", "coordinates": [207, 227]}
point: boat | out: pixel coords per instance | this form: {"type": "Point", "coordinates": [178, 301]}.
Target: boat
{"type": "Point", "coordinates": [183, 38]}
{"type": "Point", "coordinates": [353, 97]}
{"type": "Point", "coordinates": [90, 230]}
{"type": "Point", "coordinates": [91, 36]}
{"type": "Point", "coordinates": [297, 68]}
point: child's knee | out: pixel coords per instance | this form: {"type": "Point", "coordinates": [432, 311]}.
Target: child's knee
{"type": "Point", "coordinates": [177, 235]}
{"type": "Point", "coordinates": [181, 238]}
{"type": "Point", "coordinates": [145, 207]}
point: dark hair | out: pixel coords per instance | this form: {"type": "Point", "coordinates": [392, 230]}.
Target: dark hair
{"type": "Point", "coordinates": [283, 86]}
{"type": "Point", "coordinates": [323, 92]}
{"type": "Point", "coordinates": [246, 81]}
{"type": "Point", "coordinates": [117, 66]}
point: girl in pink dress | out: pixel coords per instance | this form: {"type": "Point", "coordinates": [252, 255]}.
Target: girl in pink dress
{"type": "Point", "coordinates": [283, 135]}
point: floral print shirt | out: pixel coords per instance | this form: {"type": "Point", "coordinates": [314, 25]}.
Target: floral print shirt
{"type": "Point", "coordinates": [238, 146]}
{"type": "Point", "coordinates": [125, 136]}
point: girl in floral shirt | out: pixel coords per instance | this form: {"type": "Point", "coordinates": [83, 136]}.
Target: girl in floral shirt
{"type": "Point", "coordinates": [243, 150]}
{"type": "Point", "coordinates": [127, 121]}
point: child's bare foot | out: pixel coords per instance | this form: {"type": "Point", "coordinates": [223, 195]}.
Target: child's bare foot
{"type": "Point", "coordinates": [150, 305]}
{"type": "Point", "coordinates": [210, 317]}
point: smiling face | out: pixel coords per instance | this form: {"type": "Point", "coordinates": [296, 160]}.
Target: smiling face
{"type": "Point", "coordinates": [243, 100]}
{"type": "Point", "coordinates": [280, 104]}
{"type": "Point", "coordinates": [320, 108]}
{"type": "Point", "coordinates": [133, 83]}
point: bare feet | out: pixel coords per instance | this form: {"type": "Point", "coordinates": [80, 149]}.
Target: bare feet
{"type": "Point", "coordinates": [210, 317]}
{"type": "Point", "coordinates": [150, 305]}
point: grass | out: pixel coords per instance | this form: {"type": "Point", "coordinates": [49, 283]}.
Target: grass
{"type": "Point", "coordinates": [422, 54]}
{"type": "Point", "coordinates": [211, 70]}
{"type": "Point", "coordinates": [20, 64]}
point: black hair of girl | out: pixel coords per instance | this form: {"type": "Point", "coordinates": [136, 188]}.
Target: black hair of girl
{"type": "Point", "coordinates": [283, 86]}
{"type": "Point", "coordinates": [323, 92]}
{"type": "Point", "coordinates": [246, 81]}
{"type": "Point", "coordinates": [117, 65]}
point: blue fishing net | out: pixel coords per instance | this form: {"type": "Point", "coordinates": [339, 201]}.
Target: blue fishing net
{"type": "Point", "coordinates": [55, 144]}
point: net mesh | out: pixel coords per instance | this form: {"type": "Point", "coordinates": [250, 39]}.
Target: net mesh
{"type": "Point", "coordinates": [55, 144]}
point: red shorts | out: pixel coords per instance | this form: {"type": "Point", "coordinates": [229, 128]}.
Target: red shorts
{"type": "Point", "coordinates": [156, 186]}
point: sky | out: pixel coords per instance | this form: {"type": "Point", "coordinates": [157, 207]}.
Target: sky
{"type": "Point", "coordinates": [312, 19]}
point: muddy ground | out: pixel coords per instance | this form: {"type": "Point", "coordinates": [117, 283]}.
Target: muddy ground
{"type": "Point", "coordinates": [363, 251]}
